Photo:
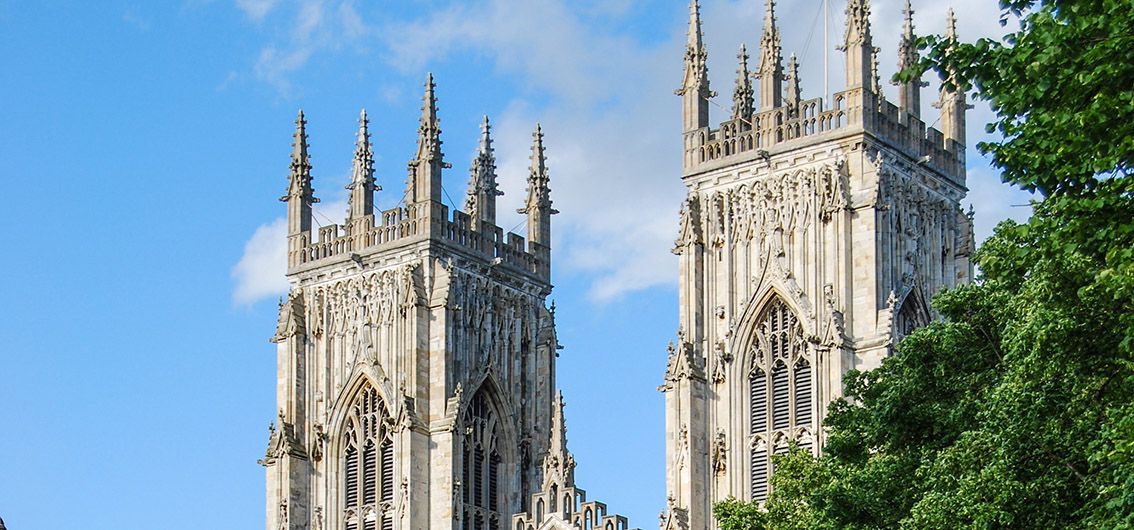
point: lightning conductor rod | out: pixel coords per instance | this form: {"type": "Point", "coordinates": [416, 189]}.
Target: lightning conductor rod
{"type": "Point", "coordinates": [826, 54]}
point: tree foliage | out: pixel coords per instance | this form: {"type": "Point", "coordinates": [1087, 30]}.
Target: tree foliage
{"type": "Point", "coordinates": [1017, 409]}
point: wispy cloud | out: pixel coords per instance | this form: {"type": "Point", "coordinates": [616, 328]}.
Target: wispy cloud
{"type": "Point", "coordinates": [256, 9]}
{"type": "Point", "coordinates": [261, 271]}
{"type": "Point", "coordinates": [311, 26]}
{"type": "Point", "coordinates": [606, 103]}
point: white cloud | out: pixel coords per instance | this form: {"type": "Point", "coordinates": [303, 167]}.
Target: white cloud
{"type": "Point", "coordinates": [606, 102]}
{"type": "Point", "coordinates": [316, 26]}
{"type": "Point", "coordinates": [261, 271]}
{"type": "Point", "coordinates": [256, 9]}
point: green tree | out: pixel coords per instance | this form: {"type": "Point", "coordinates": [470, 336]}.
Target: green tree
{"type": "Point", "coordinates": [1016, 411]}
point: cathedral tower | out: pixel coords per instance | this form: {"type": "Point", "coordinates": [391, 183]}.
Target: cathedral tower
{"type": "Point", "coordinates": [416, 352]}
{"type": "Point", "coordinates": [812, 237]}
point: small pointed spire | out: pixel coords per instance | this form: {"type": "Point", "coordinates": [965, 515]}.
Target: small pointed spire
{"type": "Point", "coordinates": [300, 195]}
{"type": "Point", "coordinates": [909, 93]}
{"type": "Point", "coordinates": [694, 89]}
{"type": "Point", "coordinates": [480, 202]}
{"type": "Point", "coordinates": [771, 71]}
{"type": "Point", "coordinates": [858, 44]}
{"type": "Point", "coordinates": [793, 84]}
{"type": "Point", "coordinates": [425, 169]}
{"type": "Point", "coordinates": [559, 464]}
{"type": "Point", "coordinates": [299, 180]}
{"type": "Point", "coordinates": [742, 96]}
{"type": "Point", "coordinates": [538, 205]}
{"type": "Point", "coordinates": [429, 132]}
{"type": "Point", "coordinates": [362, 183]}
{"type": "Point", "coordinates": [952, 102]}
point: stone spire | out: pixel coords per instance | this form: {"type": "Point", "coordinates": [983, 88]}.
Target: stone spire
{"type": "Point", "coordinates": [952, 101]}
{"type": "Point", "coordinates": [300, 195]}
{"type": "Point", "coordinates": [742, 96]}
{"type": "Point", "coordinates": [425, 169]}
{"type": "Point", "coordinates": [793, 90]}
{"type": "Point", "coordinates": [771, 72]}
{"type": "Point", "coordinates": [694, 89]}
{"type": "Point", "coordinates": [909, 93]}
{"type": "Point", "coordinates": [559, 464]}
{"type": "Point", "coordinates": [362, 184]}
{"type": "Point", "coordinates": [858, 44]}
{"type": "Point", "coordinates": [538, 206]}
{"type": "Point", "coordinates": [480, 203]}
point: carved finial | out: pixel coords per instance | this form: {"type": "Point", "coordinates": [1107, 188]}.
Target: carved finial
{"type": "Point", "coordinates": [480, 203]}
{"type": "Point", "coordinates": [742, 96]}
{"type": "Point", "coordinates": [951, 25]}
{"type": "Point", "coordinates": [771, 72]}
{"type": "Point", "coordinates": [362, 183]}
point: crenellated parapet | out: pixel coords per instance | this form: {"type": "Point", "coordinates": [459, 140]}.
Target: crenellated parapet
{"type": "Point", "coordinates": [784, 121]}
{"type": "Point", "coordinates": [420, 216]}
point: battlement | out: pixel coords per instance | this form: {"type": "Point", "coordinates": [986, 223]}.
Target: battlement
{"type": "Point", "coordinates": [401, 226]}
{"type": "Point", "coordinates": [786, 127]}
{"type": "Point", "coordinates": [423, 217]}
{"type": "Point", "coordinates": [783, 120]}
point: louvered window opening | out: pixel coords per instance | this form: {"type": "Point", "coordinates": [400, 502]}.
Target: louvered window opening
{"type": "Point", "coordinates": [780, 393]}
{"type": "Point", "coordinates": [368, 473]}
{"type": "Point", "coordinates": [481, 468]}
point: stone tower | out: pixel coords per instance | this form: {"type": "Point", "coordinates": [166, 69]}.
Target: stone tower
{"type": "Point", "coordinates": [812, 237]}
{"type": "Point", "coordinates": [416, 353]}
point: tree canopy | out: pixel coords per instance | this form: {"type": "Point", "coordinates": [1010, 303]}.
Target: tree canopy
{"type": "Point", "coordinates": [1016, 410]}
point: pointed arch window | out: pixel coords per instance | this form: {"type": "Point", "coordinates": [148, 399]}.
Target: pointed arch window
{"type": "Point", "coordinates": [780, 392]}
{"type": "Point", "coordinates": [481, 469]}
{"type": "Point", "coordinates": [911, 315]}
{"type": "Point", "coordinates": [367, 464]}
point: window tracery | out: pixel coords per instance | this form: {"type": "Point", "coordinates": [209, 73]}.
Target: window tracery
{"type": "Point", "coordinates": [780, 392]}
{"type": "Point", "coordinates": [481, 466]}
{"type": "Point", "coordinates": [367, 464]}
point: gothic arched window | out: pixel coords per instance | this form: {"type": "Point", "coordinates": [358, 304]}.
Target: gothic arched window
{"type": "Point", "coordinates": [911, 315]}
{"type": "Point", "coordinates": [481, 466]}
{"type": "Point", "coordinates": [780, 391]}
{"type": "Point", "coordinates": [367, 464]}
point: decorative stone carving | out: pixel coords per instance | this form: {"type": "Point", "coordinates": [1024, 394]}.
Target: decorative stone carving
{"type": "Point", "coordinates": [720, 453]}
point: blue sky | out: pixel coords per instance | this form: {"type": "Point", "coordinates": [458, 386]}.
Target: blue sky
{"type": "Point", "coordinates": [144, 146]}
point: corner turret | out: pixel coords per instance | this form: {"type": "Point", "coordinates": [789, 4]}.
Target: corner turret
{"type": "Point", "coordinates": [362, 183]}
{"type": "Point", "coordinates": [300, 195]}
{"type": "Point", "coordinates": [538, 206]}
{"type": "Point", "coordinates": [909, 92]}
{"type": "Point", "coordinates": [424, 183]}
{"type": "Point", "coordinates": [952, 101]}
{"type": "Point", "coordinates": [742, 96]}
{"type": "Point", "coordinates": [858, 45]}
{"type": "Point", "coordinates": [771, 71]}
{"type": "Point", "coordinates": [694, 91]}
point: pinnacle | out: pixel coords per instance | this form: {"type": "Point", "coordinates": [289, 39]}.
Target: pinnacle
{"type": "Point", "coordinates": [539, 159]}
{"type": "Point", "coordinates": [363, 128]}
{"type": "Point", "coordinates": [485, 135]}
{"type": "Point", "coordinates": [951, 25]}
{"type": "Point", "coordinates": [695, 35]}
